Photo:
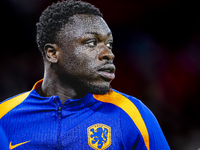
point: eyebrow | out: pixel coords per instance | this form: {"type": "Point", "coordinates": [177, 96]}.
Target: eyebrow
{"type": "Point", "coordinates": [95, 33]}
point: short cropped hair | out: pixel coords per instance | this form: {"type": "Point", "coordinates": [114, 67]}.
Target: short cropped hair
{"type": "Point", "coordinates": [56, 16]}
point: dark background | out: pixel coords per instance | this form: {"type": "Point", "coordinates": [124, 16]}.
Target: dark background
{"type": "Point", "coordinates": [157, 48]}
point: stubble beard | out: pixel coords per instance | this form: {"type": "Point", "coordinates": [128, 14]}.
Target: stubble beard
{"type": "Point", "coordinates": [84, 86]}
{"type": "Point", "coordinates": [93, 88]}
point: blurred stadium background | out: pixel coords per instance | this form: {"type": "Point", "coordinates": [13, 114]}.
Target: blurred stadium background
{"type": "Point", "coordinates": [157, 48]}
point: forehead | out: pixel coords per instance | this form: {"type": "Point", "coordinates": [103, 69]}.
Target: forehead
{"type": "Point", "coordinates": [80, 24]}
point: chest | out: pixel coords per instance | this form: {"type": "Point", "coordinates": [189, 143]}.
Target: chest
{"type": "Point", "coordinates": [59, 128]}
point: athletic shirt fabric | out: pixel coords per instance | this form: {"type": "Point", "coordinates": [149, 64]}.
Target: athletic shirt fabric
{"type": "Point", "coordinates": [114, 121]}
{"type": "Point", "coordinates": [3, 140]}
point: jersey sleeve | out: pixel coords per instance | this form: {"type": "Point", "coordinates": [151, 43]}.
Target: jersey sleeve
{"type": "Point", "coordinates": [157, 140]}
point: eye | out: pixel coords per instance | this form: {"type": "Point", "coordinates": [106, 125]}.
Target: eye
{"type": "Point", "coordinates": [91, 43]}
{"type": "Point", "coordinates": [109, 45]}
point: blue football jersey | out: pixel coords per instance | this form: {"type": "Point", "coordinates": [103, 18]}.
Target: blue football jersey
{"type": "Point", "coordinates": [3, 140]}
{"type": "Point", "coordinates": [114, 121]}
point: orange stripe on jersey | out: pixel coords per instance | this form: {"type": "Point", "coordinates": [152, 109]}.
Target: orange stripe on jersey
{"type": "Point", "coordinates": [6, 106]}
{"type": "Point", "coordinates": [125, 104]}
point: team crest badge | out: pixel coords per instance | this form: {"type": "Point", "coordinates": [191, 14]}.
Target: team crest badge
{"type": "Point", "coordinates": [99, 136]}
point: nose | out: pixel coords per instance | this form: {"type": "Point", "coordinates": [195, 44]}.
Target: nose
{"type": "Point", "coordinates": [106, 54]}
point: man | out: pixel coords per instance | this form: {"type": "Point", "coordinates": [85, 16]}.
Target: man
{"type": "Point", "coordinates": [73, 107]}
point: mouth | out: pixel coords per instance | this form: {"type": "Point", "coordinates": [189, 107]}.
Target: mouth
{"type": "Point", "coordinates": [107, 72]}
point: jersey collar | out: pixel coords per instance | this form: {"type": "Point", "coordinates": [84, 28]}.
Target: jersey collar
{"type": "Point", "coordinates": [70, 103]}
{"type": "Point", "coordinates": [37, 84]}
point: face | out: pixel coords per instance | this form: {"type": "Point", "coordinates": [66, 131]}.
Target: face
{"type": "Point", "coordinates": [85, 58]}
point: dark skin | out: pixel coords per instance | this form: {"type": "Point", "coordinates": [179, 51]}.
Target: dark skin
{"type": "Point", "coordinates": [81, 62]}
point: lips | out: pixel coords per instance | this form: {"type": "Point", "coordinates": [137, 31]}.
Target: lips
{"type": "Point", "coordinates": [107, 72]}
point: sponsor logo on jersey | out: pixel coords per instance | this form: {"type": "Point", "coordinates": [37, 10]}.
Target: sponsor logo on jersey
{"type": "Point", "coordinates": [16, 145]}
{"type": "Point", "coordinates": [99, 136]}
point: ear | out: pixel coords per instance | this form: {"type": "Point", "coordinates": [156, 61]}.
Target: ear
{"type": "Point", "coordinates": [51, 51]}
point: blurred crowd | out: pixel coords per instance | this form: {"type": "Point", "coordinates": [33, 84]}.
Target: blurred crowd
{"type": "Point", "coordinates": [157, 55]}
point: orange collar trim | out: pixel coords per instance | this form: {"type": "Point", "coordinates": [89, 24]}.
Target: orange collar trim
{"type": "Point", "coordinates": [37, 84]}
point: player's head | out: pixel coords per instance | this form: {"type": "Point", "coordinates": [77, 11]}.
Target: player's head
{"type": "Point", "coordinates": [56, 16]}
{"type": "Point", "coordinates": [76, 45]}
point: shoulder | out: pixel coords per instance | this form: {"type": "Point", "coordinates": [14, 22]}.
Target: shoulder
{"type": "Point", "coordinates": [13, 97]}
{"type": "Point", "coordinates": [144, 111]}
{"type": "Point", "coordinates": [133, 107]}
{"type": "Point", "coordinates": [140, 115]}
{"type": "Point", "coordinates": [12, 102]}
{"type": "Point", "coordinates": [126, 102]}
{"type": "Point", "coordinates": [138, 103]}
{"type": "Point", "coordinates": [151, 130]}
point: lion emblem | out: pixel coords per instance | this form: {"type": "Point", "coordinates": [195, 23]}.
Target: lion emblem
{"type": "Point", "coordinates": [99, 136]}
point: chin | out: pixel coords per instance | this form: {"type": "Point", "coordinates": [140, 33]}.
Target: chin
{"type": "Point", "coordinates": [94, 87]}
{"type": "Point", "coordinates": [98, 89]}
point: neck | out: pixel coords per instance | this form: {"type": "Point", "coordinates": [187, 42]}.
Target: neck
{"type": "Point", "coordinates": [53, 86]}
